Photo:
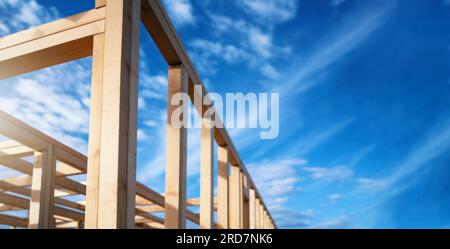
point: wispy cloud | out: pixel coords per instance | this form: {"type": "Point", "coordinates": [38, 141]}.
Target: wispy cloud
{"type": "Point", "coordinates": [337, 173]}
{"type": "Point", "coordinates": [180, 11]}
{"type": "Point", "coordinates": [338, 223]}
{"type": "Point", "coordinates": [276, 179]}
{"type": "Point", "coordinates": [43, 102]}
{"type": "Point", "coordinates": [355, 30]}
{"type": "Point", "coordinates": [333, 198]}
{"type": "Point", "coordinates": [435, 143]}
{"type": "Point", "coordinates": [270, 10]}
{"type": "Point", "coordinates": [236, 42]}
{"type": "Point", "coordinates": [23, 14]}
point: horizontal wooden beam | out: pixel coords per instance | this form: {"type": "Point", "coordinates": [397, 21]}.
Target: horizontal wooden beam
{"type": "Point", "coordinates": [4, 208]}
{"type": "Point", "coordinates": [52, 28]}
{"type": "Point", "coordinates": [14, 201]}
{"type": "Point", "coordinates": [50, 44]}
{"type": "Point", "coordinates": [14, 149]}
{"type": "Point", "coordinates": [24, 134]}
{"type": "Point", "coordinates": [13, 221]}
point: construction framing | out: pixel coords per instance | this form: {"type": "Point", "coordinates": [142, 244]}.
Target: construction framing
{"type": "Point", "coordinates": [111, 197]}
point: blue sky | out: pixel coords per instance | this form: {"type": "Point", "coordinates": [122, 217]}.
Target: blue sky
{"type": "Point", "coordinates": [365, 114]}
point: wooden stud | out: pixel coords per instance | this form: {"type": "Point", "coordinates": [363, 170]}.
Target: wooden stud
{"type": "Point", "coordinates": [257, 215]}
{"type": "Point", "coordinates": [261, 216]}
{"type": "Point", "coordinates": [93, 172]}
{"type": "Point", "coordinates": [176, 154]}
{"type": "Point", "coordinates": [242, 203]}
{"type": "Point", "coordinates": [265, 220]}
{"type": "Point", "coordinates": [117, 164]}
{"type": "Point", "coordinates": [252, 211]}
{"type": "Point", "coordinates": [207, 175]}
{"type": "Point", "coordinates": [235, 197]}
{"type": "Point", "coordinates": [42, 190]}
{"type": "Point", "coordinates": [223, 188]}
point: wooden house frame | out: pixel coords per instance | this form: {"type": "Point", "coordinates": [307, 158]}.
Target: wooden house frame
{"type": "Point", "coordinates": [114, 199]}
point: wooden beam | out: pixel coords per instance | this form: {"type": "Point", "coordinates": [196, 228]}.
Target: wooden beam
{"type": "Point", "coordinates": [26, 180]}
{"type": "Point", "coordinates": [155, 208]}
{"type": "Point", "coordinates": [100, 3]}
{"type": "Point", "coordinates": [241, 201]}
{"type": "Point", "coordinates": [207, 175]}
{"type": "Point", "coordinates": [33, 52]}
{"type": "Point", "coordinates": [74, 215]}
{"type": "Point", "coordinates": [15, 201]}
{"type": "Point", "coordinates": [118, 119]}
{"type": "Point", "coordinates": [13, 221]}
{"type": "Point", "coordinates": [42, 190]}
{"type": "Point", "coordinates": [94, 147]}
{"type": "Point", "coordinates": [15, 182]}
{"type": "Point", "coordinates": [31, 137]}
{"type": "Point", "coordinates": [15, 150]}
{"type": "Point", "coordinates": [252, 209]}
{"type": "Point", "coordinates": [261, 216]}
{"type": "Point", "coordinates": [95, 127]}
{"type": "Point", "coordinates": [257, 215]}
{"type": "Point", "coordinates": [52, 28]}
{"type": "Point", "coordinates": [175, 197]}
{"type": "Point", "coordinates": [223, 188]}
{"type": "Point", "coordinates": [4, 207]}
{"type": "Point", "coordinates": [235, 196]}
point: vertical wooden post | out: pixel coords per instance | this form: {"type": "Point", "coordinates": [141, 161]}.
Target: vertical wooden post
{"type": "Point", "coordinates": [265, 220]}
{"type": "Point", "coordinates": [42, 190]}
{"type": "Point", "coordinates": [223, 188]}
{"type": "Point", "coordinates": [235, 197]}
{"type": "Point", "coordinates": [176, 151]}
{"type": "Point", "coordinates": [261, 216]}
{"type": "Point", "coordinates": [113, 133]}
{"type": "Point", "coordinates": [207, 175]}
{"type": "Point", "coordinates": [252, 213]}
{"type": "Point", "coordinates": [241, 200]}
{"type": "Point", "coordinates": [257, 216]}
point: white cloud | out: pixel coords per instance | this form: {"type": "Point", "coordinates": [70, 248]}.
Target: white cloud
{"type": "Point", "coordinates": [260, 42]}
{"type": "Point", "coordinates": [373, 185]}
{"type": "Point", "coordinates": [142, 135]}
{"type": "Point", "coordinates": [276, 179]}
{"type": "Point", "coordinates": [153, 87]}
{"type": "Point", "coordinates": [270, 72]}
{"type": "Point", "coordinates": [23, 14]}
{"type": "Point", "coordinates": [180, 11]}
{"type": "Point", "coordinates": [309, 143]}
{"type": "Point", "coordinates": [436, 143]}
{"type": "Point", "coordinates": [41, 100]}
{"type": "Point", "coordinates": [355, 30]}
{"type": "Point", "coordinates": [270, 10]}
{"type": "Point", "coordinates": [334, 198]}
{"type": "Point", "coordinates": [207, 53]}
{"type": "Point", "coordinates": [287, 218]}
{"type": "Point", "coordinates": [240, 41]}
{"type": "Point", "coordinates": [338, 223]}
{"type": "Point", "coordinates": [329, 174]}
{"type": "Point", "coordinates": [151, 123]}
